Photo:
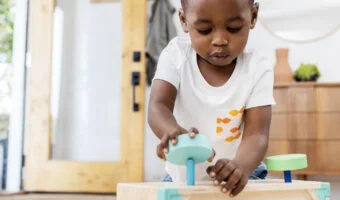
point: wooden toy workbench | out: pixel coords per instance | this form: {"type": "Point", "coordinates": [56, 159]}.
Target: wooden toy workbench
{"type": "Point", "coordinates": [189, 151]}
{"type": "Point", "coordinates": [255, 190]}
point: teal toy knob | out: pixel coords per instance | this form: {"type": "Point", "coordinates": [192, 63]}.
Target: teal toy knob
{"type": "Point", "coordinates": [189, 151]}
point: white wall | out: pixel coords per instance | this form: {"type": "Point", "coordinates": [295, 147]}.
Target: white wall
{"type": "Point", "coordinates": [325, 53]}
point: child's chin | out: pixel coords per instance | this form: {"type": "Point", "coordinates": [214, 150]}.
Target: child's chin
{"type": "Point", "coordinates": [221, 63]}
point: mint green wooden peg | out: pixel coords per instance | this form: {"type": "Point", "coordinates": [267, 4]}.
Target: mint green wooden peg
{"type": "Point", "coordinates": [287, 163]}
{"type": "Point", "coordinates": [189, 151]}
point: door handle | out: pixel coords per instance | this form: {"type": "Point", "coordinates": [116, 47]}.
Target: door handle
{"type": "Point", "coordinates": [135, 77]}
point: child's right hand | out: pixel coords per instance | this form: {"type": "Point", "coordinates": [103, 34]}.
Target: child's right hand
{"type": "Point", "coordinates": [163, 148]}
{"type": "Point", "coordinates": [231, 176]}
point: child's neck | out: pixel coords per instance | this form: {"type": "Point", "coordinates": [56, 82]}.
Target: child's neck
{"type": "Point", "coordinates": [216, 76]}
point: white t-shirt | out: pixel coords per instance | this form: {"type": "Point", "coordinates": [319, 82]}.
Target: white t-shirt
{"type": "Point", "coordinates": [215, 111]}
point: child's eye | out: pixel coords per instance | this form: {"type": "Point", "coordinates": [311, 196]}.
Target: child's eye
{"type": "Point", "coordinates": [234, 30]}
{"type": "Point", "coordinates": [204, 31]}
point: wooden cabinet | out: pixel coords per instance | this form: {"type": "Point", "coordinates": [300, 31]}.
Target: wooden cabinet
{"type": "Point", "coordinates": [306, 119]}
{"type": "Point", "coordinates": [301, 126]}
{"type": "Point", "coordinates": [301, 99]}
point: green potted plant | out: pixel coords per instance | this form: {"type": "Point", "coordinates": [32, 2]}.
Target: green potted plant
{"type": "Point", "coordinates": [307, 72]}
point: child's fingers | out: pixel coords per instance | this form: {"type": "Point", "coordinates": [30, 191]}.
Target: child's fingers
{"type": "Point", "coordinates": [192, 132]}
{"type": "Point", "coordinates": [192, 135]}
{"type": "Point", "coordinates": [173, 136]}
{"type": "Point", "coordinates": [225, 172]}
{"type": "Point", "coordinates": [160, 152]}
{"type": "Point", "coordinates": [215, 170]}
{"type": "Point", "coordinates": [233, 180]}
{"type": "Point", "coordinates": [173, 139]}
{"type": "Point", "coordinates": [212, 156]}
{"type": "Point", "coordinates": [239, 187]}
{"type": "Point", "coordinates": [162, 148]}
{"type": "Point", "coordinates": [164, 142]}
{"type": "Point", "coordinates": [225, 190]}
{"type": "Point", "coordinates": [211, 171]}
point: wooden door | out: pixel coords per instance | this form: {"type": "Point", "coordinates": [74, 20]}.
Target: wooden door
{"type": "Point", "coordinates": [42, 172]}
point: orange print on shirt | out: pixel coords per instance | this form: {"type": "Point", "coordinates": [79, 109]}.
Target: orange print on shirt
{"type": "Point", "coordinates": [224, 120]}
{"type": "Point", "coordinates": [232, 138]}
{"type": "Point", "coordinates": [229, 139]}
{"type": "Point", "coordinates": [234, 130]}
{"type": "Point", "coordinates": [234, 113]}
{"type": "Point", "coordinates": [219, 130]}
{"type": "Point", "coordinates": [234, 133]}
{"type": "Point", "coordinates": [238, 135]}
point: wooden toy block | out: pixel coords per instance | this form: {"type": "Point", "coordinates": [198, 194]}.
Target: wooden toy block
{"type": "Point", "coordinates": [255, 190]}
{"type": "Point", "coordinates": [190, 151]}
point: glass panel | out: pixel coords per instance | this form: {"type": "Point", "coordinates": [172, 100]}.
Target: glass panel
{"type": "Point", "coordinates": [86, 81]}
{"type": "Point", "coordinates": [6, 66]}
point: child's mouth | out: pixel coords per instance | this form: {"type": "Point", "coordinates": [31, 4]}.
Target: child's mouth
{"type": "Point", "coordinates": [219, 56]}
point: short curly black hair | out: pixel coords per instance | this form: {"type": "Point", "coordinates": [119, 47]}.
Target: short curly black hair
{"type": "Point", "coordinates": [185, 3]}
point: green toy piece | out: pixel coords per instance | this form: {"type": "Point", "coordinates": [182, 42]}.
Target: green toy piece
{"type": "Point", "coordinates": [287, 163]}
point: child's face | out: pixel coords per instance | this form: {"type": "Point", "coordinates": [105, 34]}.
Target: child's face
{"type": "Point", "coordinates": [219, 29]}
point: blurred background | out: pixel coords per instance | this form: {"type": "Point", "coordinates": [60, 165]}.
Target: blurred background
{"type": "Point", "coordinates": [74, 89]}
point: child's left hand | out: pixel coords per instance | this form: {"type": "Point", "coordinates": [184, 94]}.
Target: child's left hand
{"type": "Point", "coordinates": [229, 175]}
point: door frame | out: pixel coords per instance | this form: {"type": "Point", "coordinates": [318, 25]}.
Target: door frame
{"type": "Point", "coordinates": [43, 174]}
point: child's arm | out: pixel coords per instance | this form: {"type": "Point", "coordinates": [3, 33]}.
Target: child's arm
{"type": "Point", "coordinates": [254, 142]}
{"type": "Point", "coordinates": [255, 138]}
{"type": "Point", "coordinates": [251, 151]}
{"type": "Point", "coordinates": [161, 118]}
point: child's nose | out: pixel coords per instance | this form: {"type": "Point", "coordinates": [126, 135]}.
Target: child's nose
{"type": "Point", "coordinates": [220, 39]}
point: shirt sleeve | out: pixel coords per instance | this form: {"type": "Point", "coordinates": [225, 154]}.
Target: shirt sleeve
{"type": "Point", "coordinates": [262, 93]}
{"type": "Point", "coordinates": [168, 65]}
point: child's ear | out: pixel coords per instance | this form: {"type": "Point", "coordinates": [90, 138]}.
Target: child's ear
{"type": "Point", "coordinates": [254, 14]}
{"type": "Point", "coordinates": [183, 20]}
